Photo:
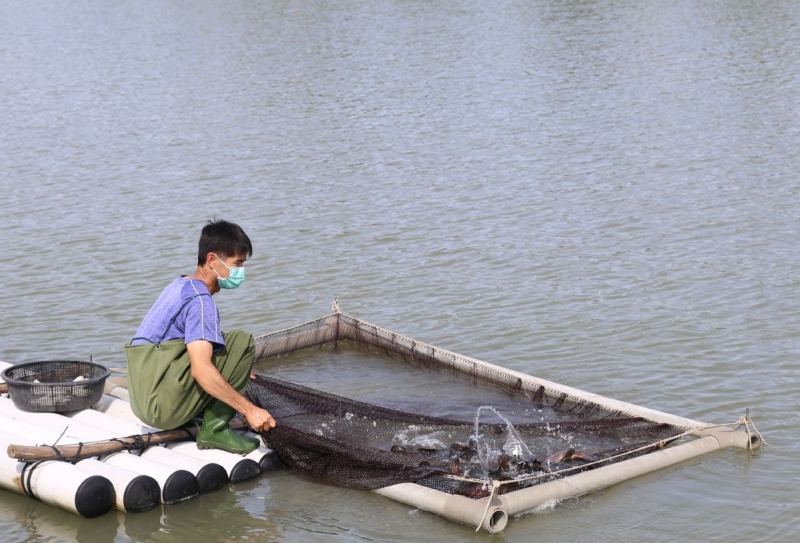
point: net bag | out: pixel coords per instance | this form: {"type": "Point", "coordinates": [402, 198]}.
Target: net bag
{"type": "Point", "coordinates": [360, 445]}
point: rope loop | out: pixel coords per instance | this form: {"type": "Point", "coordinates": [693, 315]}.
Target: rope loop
{"type": "Point", "coordinates": [28, 470]}
{"type": "Point", "coordinates": [747, 422]}
{"type": "Point", "coordinates": [492, 496]}
{"type": "Point", "coordinates": [56, 450]}
{"type": "Point", "coordinates": [137, 443]}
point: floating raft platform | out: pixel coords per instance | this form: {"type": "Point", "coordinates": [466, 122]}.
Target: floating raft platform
{"type": "Point", "coordinates": [130, 481]}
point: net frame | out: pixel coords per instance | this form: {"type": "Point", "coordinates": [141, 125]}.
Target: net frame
{"type": "Point", "coordinates": [490, 510]}
{"type": "Point", "coordinates": [338, 327]}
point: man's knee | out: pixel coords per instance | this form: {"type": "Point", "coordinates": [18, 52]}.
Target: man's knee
{"type": "Point", "coordinates": [240, 338]}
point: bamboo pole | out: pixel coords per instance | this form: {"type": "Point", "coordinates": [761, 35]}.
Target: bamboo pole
{"type": "Point", "coordinates": [33, 453]}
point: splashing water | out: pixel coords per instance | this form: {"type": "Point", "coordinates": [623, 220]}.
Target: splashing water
{"type": "Point", "coordinates": [514, 446]}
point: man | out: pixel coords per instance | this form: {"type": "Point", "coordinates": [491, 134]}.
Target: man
{"type": "Point", "coordinates": [180, 364]}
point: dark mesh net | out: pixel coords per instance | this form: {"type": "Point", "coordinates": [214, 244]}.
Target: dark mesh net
{"type": "Point", "coordinates": [361, 445]}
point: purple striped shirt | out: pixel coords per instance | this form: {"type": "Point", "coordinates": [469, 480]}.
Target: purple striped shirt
{"type": "Point", "coordinates": [184, 310]}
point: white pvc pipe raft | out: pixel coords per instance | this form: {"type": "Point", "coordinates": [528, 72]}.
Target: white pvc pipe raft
{"type": "Point", "coordinates": [108, 421]}
{"type": "Point", "coordinates": [117, 387]}
{"type": "Point", "coordinates": [56, 483]}
{"type": "Point", "coordinates": [210, 475]}
{"type": "Point", "coordinates": [28, 431]}
{"type": "Point", "coordinates": [89, 425]}
{"type": "Point", "coordinates": [75, 431]}
{"type": "Point", "coordinates": [118, 408]}
{"type": "Point", "coordinates": [135, 492]}
{"type": "Point", "coordinates": [174, 473]}
{"type": "Point", "coordinates": [176, 484]}
{"type": "Point", "coordinates": [267, 458]}
{"type": "Point", "coordinates": [239, 468]}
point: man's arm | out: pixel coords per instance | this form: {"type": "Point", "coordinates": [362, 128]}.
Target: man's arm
{"type": "Point", "coordinates": [209, 378]}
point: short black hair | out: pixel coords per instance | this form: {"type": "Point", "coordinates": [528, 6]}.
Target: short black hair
{"type": "Point", "coordinates": [223, 238]}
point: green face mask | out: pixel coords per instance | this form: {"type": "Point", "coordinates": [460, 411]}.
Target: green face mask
{"type": "Point", "coordinates": [235, 276]}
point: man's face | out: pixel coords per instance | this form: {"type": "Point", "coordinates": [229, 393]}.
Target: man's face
{"type": "Point", "coordinates": [223, 264]}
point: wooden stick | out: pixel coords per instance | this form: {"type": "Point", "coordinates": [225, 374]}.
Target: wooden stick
{"type": "Point", "coordinates": [33, 453]}
{"type": "Point", "coordinates": [3, 388]}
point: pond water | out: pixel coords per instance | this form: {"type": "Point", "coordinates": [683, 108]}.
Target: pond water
{"type": "Point", "coordinates": [602, 194]}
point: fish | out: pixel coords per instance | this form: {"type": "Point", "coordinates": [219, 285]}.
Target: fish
{"type": "Point", "coordinates": [461, 447]}
{"type": "Point", "coordinates": [570, 455]}
{"type": "Point", "coordinates": [465, 451]}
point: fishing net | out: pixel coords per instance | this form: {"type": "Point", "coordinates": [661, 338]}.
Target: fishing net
{"type": "Point", "coordinates": [358, 444]}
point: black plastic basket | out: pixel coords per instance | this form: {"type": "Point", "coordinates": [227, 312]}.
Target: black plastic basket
{"type": "Point", "coordinates": [51, 385]}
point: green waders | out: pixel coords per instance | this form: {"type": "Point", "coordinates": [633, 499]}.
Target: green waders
{"type": "Point", "coordinates": [164, 394]}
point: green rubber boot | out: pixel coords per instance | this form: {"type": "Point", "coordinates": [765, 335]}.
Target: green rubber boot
{"type": "Point", "coordinates": [215, 433]}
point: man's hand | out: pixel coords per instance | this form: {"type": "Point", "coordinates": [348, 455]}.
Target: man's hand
{"type": "Point", "coordinates": [259, 419]}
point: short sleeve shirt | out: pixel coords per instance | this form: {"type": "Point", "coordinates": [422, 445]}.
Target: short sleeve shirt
{"type": "Point", "coordinates": [184, 310]}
